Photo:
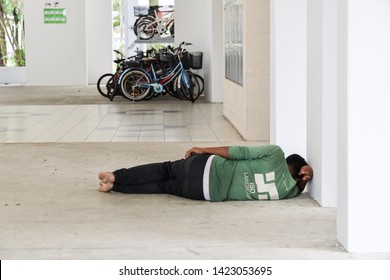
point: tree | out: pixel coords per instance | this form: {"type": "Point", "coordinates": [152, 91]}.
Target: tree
{"type": "Point", "coordinates": [3, 48]}
{"type": "Point", "coordinates": [118, 24]}
{"type": "Point", "coordinates": [12, 30]}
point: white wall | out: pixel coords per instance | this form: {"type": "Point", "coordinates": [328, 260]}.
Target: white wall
{"type": "Point", "coordinates": [342, 125]}
{"type": "Point", "coordinates": [217, 71]}
{"type": "Point", "coordinates": [322, 99]}
{"type": "Point", "coordinates": [363, 136]}
{"type": "Point", "coordinates": [99, 38]}
{"type": "Point", "coordinates": [12, 75]}
{"type": "Point", "coordinates": [65, 54]}
{"type": "Point", "coordinates": [288, 75]}
{"type": "Point", "coordinates": [195, 23]}
{"type": "Point", "coordinates": [56, 53]}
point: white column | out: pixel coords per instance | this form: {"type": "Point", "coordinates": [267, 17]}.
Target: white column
{"type": "Point", "coordinates": [364, 128]}
{"type": "Point", "coordinates": [288, 75]}
{"type": "Point", "coordinates": [194, 23]}
{"type": "Point", "coordinates": [322, 99]}
{"type": "Point", "coordinates": [216, 43]}
{"type": "Point", "coordinates": [99, 38]}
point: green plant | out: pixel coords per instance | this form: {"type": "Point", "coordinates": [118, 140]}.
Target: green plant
{"type": "Point", "coordinates": [118, 24]}
{"type": "Point", "coordinates": [12, 32]}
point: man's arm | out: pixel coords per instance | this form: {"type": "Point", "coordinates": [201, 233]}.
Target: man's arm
{"type": "Point", "coordinates": [219, 151]}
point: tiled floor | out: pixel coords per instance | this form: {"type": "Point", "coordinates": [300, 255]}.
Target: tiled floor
{"type": "Point", "coordinates": [116, 122]}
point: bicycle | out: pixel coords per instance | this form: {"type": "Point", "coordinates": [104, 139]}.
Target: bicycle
{"type": "Point", "coordinates": [108, 84]}
{"type": "Point", "coordinates": [136, 84]}
{"type": "Point", "coordinates": [157, 21]}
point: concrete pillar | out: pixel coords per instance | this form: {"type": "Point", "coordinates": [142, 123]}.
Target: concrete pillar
{"type": "Point", "coordinates": [216, 45]}
{"type": "Point", "coordinates": [322, 99]}
{"type": "Point", "coordinates": [363, 223]}
{"type": "Point", "coordinates": [246, 106]}
{"type": "Point", "coordinates": [200, 22]}
{"type": "Point", "coordinates": [288, 75]}
{"type": "Point", "coordinates": [99, 34]}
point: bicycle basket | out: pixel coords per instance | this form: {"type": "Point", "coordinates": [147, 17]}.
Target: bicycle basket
{"type": "Point", "coordinates": [141, 10]}
{"type": "Point", "coordinates": [196, 60]}
{"type": "Point", "coordinates": [164, 57]}
{"type": "Point", "coordinates": [185, 59]}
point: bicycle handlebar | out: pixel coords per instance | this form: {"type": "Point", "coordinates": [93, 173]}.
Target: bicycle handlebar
{"type": "Point", "coordinates": [122, 57]}
{"type": "Point", "coordinates": [185, 44]}
{"type": "Point", "coordinates": [118, 52]}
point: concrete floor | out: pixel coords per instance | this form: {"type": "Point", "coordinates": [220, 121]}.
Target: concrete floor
{"type": "Point", "coordinates": [50, 208]}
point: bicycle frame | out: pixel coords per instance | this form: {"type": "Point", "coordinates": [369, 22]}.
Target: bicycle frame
{"type": "Point", "coordinates": [159, 82]}
{"type": "Point", "coordinates": [163, 19]}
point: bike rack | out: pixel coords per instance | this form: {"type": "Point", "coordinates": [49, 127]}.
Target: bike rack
{"type": "Point", "coordinates": [154, 40]}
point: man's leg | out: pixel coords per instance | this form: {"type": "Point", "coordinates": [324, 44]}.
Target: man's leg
{"type": "Point", "coordinates": [143, 174]}
{"type": "Point", "coordinates": [182, 178]}
{"type": "Point", "coordinates": [188, 177]}
{"type": "Point", "coordinates": [146, 178]}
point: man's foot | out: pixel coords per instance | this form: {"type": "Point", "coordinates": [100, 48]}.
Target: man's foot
{"type": "Point", "coordinates": [107, 180]}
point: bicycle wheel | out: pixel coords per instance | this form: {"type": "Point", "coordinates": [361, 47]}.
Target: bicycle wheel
{"type": "Point", "coordinates": [135, 85]}
{"type": "Point", "coordinates": [146, 28]}
{"type": "Point", "coordinates": [171, 28]}
{"type": "Point", "coordinates": [140, 19]}
{"type": "Point", "coordinates": [104, 85]}
{"type": "Point", "coordinates": [195, 88]}
{"type": "Point", "coordinates": [171, 89]}
{"type": "Point", "coordinates": [150, 95]}
{"type": "Point", "coordinates": [201, 83]}
{"type": "Point", "coordinates": [135, 25]}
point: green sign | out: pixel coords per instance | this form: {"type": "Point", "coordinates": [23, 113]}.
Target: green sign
{"type": "Point", "coordinates": [54, 15]}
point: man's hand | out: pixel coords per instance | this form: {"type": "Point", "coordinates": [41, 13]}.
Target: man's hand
{"type": "Point", "coordinates": [306, 173]}
{"type": "Point", "coordinates": [194, 150]}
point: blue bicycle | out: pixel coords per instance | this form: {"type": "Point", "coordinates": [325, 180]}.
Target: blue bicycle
{"type": "Point", "coordinates": [144, 83]}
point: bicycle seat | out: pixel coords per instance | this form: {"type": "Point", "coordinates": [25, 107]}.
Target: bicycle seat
{"type": "Point", "coordinates": [133, 64]}
{"type": "Point", "coordinates": [149, 60]}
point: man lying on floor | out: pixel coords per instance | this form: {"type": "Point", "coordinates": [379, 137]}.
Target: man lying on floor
{"type": "Point", "coordinates": [217, 174]}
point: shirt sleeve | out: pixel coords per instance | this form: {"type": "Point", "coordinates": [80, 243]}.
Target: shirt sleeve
{"type": "Point", "coordinates": [243, 153]}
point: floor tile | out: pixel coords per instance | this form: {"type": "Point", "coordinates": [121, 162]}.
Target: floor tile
{"type": "Point", "coordinates": [174, 121]}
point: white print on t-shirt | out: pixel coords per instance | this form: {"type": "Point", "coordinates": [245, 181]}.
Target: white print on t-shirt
{"type": "Point", "coordinates": [250, 188]}
{"type": "Point", "coordinates": [266, 187]}
{"type": "Point", "coordinates": [284, 181]}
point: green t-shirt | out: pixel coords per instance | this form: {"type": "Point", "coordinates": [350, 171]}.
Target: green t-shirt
{"type": "Point", "coordinates": [251, 173]}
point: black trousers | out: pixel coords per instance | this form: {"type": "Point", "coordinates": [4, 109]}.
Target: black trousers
{"type": "Point", "coordinates": [182, 178]}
